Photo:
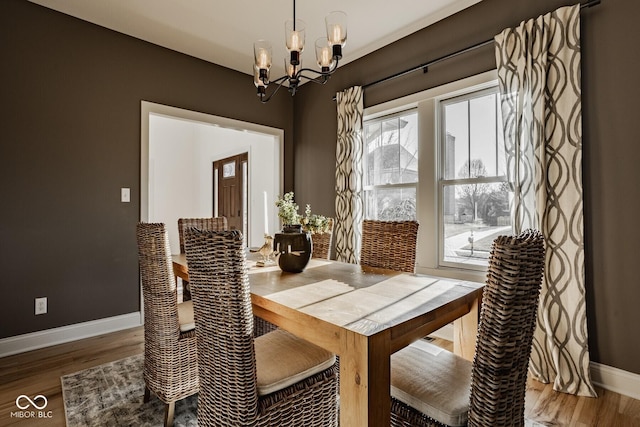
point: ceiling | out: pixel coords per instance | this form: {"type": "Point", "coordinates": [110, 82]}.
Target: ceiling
{"type": "Point", "coordinates": [223, 32]}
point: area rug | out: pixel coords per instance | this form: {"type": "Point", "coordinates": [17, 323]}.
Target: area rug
{"type": "Point", "coordinates": [111, 395]}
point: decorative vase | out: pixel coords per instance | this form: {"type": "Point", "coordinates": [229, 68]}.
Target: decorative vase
{"type": "Point", "coordinates": [293, 248]}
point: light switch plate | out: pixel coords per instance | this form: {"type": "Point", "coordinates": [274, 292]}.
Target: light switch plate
{"type": "Point", "coordinates": [125, 195]}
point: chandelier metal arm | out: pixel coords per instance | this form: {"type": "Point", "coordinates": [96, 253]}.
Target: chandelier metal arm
{"type": "Point", "coordinates": [331, 70]}
{"type": "Point", "coordinates": [279, 83]}
{"type": "Point", "coordinates": [320, 78]}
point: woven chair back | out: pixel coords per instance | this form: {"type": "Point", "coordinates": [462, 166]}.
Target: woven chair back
{"type": "Point", "coordinates": [322, 243]}
{"type": "Point", "coordinates": [505, 331]}
{"type": "Point", "coordinates": [218, 223]}
{"type": "Point", "coordinates": [224, 327]}
{"type": "Point", "coordinates": [389, 244]}
{"type": "Point", "coordinates": [158, 287]}
{"type": "Point", "coordinates": [170, 369]}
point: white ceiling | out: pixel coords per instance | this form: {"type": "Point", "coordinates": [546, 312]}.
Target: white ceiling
{"type": "Point", "coordinates": [223, 32]}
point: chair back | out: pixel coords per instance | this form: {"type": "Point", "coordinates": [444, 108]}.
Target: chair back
{"type": "Point", "coordinates": [389, 244]}
{"type": "Point", "coordinates": [161, 325]}
{"type": "Point", "coordinates": [322, 242]}
{"type": "Point", "coordinates": [218, 223]}
{"type": "Point", "coordinates": [224, 327]}
{"type": "Point", "coordinates": [505, 331]}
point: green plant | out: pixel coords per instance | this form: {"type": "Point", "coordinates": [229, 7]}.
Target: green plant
{"type": "Point", "coordinates": [288, 209]}
{"type": "Point", "coordinates": [314, 223]}
{"type": "Point", "coordinates": [288, 214]}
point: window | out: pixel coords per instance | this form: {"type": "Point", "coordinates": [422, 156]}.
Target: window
{"type": "Point", "coordinates": [438, 157]}
{"type": "Point", "coordinates": [472, 187]}
{"type": "Point", "coordinates": [391, 166]}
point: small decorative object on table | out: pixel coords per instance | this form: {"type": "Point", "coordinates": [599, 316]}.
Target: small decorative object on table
{"type": "Point", "coordinates": [293, 246]}
{"type": "Point", "coordinates": [266, 251]}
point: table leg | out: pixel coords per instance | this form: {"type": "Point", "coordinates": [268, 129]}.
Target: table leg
{"type": "Point", "coordinates": [364, 381]}
{"type": "Point", "coordinates": [465, 331]}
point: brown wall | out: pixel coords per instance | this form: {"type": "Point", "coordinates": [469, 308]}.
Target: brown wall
{"type": "Point", "coordinates": [611, 60]}
{"type": "Point", "coordinates": [70, 95]}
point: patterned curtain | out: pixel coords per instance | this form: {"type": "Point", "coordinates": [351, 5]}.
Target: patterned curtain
{"type": "Point", "coordinates": [349, 204]}
{"type": "Point", "coordinates": [539, 71]}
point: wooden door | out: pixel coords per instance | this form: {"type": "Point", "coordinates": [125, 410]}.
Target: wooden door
{"type": "Point", "coordinates": [231, 190]}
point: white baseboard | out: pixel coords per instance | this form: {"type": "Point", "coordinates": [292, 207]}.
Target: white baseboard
{"type": "Point", "coordinates": [49, 337]}
{"type": "Point", "coordinates": [616, 380]}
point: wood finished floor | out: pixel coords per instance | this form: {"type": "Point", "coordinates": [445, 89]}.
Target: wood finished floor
{"type": "Point", "coordinates": [39, 371]}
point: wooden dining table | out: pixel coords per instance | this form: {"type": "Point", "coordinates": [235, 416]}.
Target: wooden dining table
{"type": "Point", "coordinates": [363, 315]}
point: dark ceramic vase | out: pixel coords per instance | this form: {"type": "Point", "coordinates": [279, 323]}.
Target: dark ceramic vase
{"type": "Point", "coordinates": [294, 248]}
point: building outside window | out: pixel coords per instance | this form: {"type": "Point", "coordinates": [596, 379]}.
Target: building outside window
{"type": "Point", "coordinates": [391, 166]}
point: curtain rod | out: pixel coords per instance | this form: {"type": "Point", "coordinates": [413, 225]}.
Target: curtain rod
{"type": "Point", "coordinates": [426, 65]}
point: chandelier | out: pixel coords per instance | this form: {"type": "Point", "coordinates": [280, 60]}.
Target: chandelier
{"type": "Point", "coordinates": [328, 53]}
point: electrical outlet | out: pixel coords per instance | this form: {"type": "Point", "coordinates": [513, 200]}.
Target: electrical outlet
{"type": "Point", "coordinates": [41, 305]}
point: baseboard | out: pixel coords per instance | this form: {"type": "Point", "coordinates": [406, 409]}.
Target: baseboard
{"type": "Point", "coordinates": [616, 380]}
{"type": "Point", "coordinates": [49, 337]}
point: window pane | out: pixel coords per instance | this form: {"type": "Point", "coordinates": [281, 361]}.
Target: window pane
{"type": "Point", "coordinates": [474, 215]}
{"type": "Point", "coordinates": [229, 170]}
{"type": "Point", "coordinates": [456, 143]}
{"type": "Point", "coordinates": [391, 154]}
{"type": "Point", "coordinates": [408, 140]}
{"type": "Point", "coordinates": [373, 140]}
{"type": "Point", "coordinates": [391, 204]}
{"type": "Point", "coordinates": [473, 145]}
{"type": "Point", "coordinates": [483, 134]}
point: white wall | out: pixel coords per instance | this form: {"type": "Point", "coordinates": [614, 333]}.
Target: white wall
{"type": "Point", "coordinates": [181, 156]}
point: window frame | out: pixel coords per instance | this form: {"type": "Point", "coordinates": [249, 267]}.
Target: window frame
{"type": "Point", "coordinates": [441, 103]}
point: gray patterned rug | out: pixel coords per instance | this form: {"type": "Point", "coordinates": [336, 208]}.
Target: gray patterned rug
{"type": "Point", "coordinates": [111, 395]}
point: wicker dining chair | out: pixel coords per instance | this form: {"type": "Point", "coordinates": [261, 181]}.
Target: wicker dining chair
{"type": "Point", "coordinates": [273, 380]}
{"type": "Point", "coordinates": [433, 387]}
{"type": "Point", "coordinates": [170, 361]}
{"type": "Point", "coordinates": [322, 242]}
{"type": "Point", "coordinates": [218, 223]}
{"type": "Point", "coordinates": [389, 244]}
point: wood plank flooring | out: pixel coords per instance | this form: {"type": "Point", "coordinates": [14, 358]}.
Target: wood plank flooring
{"type": "Point", "coordinates": [38, 372]}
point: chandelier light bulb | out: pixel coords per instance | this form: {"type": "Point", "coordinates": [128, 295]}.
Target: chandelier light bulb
{"type": "Point", "coordinates": [262, 54]}
{"type": "Point", "coordinates": [337, 28]}
{"type": "Point", "coordinates": [294, 39]}
{"type": "Point", "coordinates": [324, 56]}
{"type": "Point", "coordinates": [337, 32]}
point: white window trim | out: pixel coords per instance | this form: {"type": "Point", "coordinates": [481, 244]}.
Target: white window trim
{"type": "Point", "coordinates": [427, 251]}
